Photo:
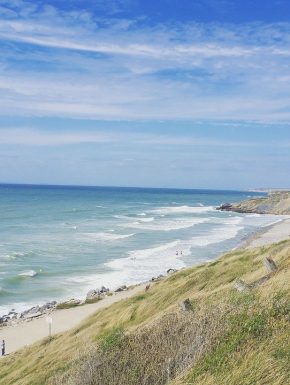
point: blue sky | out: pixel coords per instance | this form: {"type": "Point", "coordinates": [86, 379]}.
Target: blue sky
{"type": "Point", "coordinates": [163, 93]}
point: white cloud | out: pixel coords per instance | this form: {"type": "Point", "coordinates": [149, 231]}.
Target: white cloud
{"type": "Point", "coordinates": [28, 136]}
{"type": "Point", "coordinates": [72, 64]}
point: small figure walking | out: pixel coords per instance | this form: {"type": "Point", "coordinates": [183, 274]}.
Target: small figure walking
{"type": "Point", "coordinates": [3, 348]}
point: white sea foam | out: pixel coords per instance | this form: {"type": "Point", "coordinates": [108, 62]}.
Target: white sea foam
{"type": "Point", "coordinates": [218, 235]}
{"type": "Point", "coordinates": [166, 225]}
{"type": "Point", "coordinates": [142, 214]}
{"type": "Point", "coordinates": [142, 264]}
{"type": "Point", "coordinates": [231, 220]}
{"type": "Point", "coordinates": [184, 209]}
{"type": "Point", "coordinates": [29, 273]}
{"type": "Point", "coordinates": [8, 257]}
{"type": "Point", "coordinates": [17, 306]}
{"type": "Point", "coordinates": [102, 236]}
{"type": "Point", "coordinates": [149, 219]}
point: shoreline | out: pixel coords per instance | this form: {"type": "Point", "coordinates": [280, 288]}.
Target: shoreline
{"type": "Point", "coordinates": [273, 233]}
{"type": "Point", "coordinates": [28, 332]}
{"type": "Point", "coordinates": [24, 332]}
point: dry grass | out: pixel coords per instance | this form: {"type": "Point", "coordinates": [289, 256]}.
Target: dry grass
{"type": "Point", "coordinates": [228, 337]}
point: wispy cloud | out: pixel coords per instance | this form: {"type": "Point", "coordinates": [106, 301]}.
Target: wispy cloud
{"type": "Point", "coordinates": [75, 64]}
{"type": "Point", "coordinates": [40, 137]}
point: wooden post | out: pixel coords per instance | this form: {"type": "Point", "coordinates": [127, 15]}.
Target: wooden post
{"type": "Point", "coordinates": [241, 285]}
{"type": "Point", "coordinates": [186, 305]}
{"type": "Point", "coordinates": [270, 265]}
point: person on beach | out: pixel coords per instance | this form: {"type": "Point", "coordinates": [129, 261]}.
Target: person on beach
{"type": "Point", "coordinates": [3, 348]}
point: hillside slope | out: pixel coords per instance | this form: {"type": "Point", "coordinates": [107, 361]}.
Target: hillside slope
{"type": "Point", "coordinates": [274, 203]}
{"type": "Point", "coordinates": [219, 336]}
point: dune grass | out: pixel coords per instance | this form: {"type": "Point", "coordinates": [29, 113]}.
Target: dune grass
{"type": "Point", "coordinates": [225, 338]}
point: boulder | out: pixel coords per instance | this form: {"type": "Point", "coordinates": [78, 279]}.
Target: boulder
{"type": "Point", "coordinates": [93, 294]}
{"type": "Point", "coordinates": [31, 311]}
{"type": "Point", "coordinates": [69, 303]}
{"type": "Point", "coordinates": [121, 288]}
{"type": "Point", "coordinates": [160, 276]}
{"type": "Point", "coordinates": [48, 306]}
{"type": "Point", "coordinates": [104, 290]}
{"type": "Point", "coordinates": [171, 271]}
{"type": "Point", "coordinates": [12, 315]}
{"type": "Point", "coordinates": [225, 207]}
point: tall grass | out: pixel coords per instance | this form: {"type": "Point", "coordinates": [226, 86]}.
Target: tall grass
{"type": "Point", "coordinates": [149, 339]}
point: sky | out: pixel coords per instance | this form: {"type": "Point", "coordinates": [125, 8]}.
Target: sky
{"type": "Point", "coordinates": [153, 93]}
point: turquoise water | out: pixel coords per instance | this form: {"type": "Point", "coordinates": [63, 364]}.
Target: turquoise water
{"type": "Point", "coordinates": [59, 242]}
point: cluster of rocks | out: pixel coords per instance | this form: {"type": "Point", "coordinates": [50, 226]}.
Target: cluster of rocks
{"type": "Point", "coordinates": [96, 293]}
{"type": "Point", "coordinates": [92, 295]}
{"type": "Point", "coordinates": [121, 288]}
{"type": "Point", "coordinates": [158, 278]}
{"type": "Point", "coordinates": [35, 311]}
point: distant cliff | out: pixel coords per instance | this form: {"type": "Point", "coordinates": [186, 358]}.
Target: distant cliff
{"type": "Point", "coordinates": [274, 203]}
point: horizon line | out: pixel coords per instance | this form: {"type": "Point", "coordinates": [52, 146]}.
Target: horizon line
{"type": "Point", "coordinates": [140, 187]}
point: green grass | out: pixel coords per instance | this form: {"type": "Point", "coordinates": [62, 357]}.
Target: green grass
{"type": "Point", "coordinates": [228, 338]}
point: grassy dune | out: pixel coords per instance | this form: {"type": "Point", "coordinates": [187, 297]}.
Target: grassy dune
{"type": "Point", "coordinates": [224, 337]}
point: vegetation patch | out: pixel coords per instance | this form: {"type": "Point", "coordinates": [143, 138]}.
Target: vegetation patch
{"type": "Point", "coordinates": [230, 338]}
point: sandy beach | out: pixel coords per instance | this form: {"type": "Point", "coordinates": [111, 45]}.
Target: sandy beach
{"type": "Point", "coordinates": [271, 234]}
{"type": "Point", "coordinates": [27, 333]}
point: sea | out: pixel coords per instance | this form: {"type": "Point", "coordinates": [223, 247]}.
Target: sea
{"type": "Point", "coordinates": [58, 242]}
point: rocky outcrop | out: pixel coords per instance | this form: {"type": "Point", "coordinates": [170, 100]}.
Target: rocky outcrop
{"type": "Point", "coordinates": [274, 203]}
